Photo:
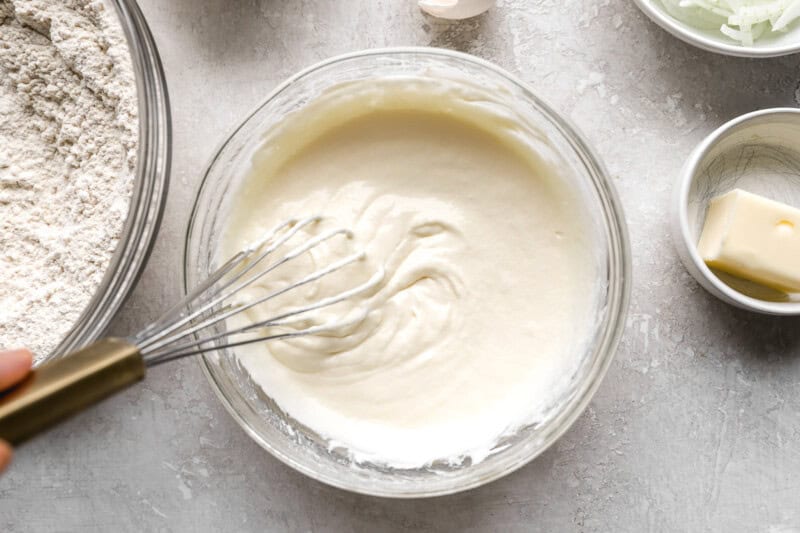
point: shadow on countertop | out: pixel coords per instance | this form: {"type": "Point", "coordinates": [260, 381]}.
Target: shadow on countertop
{"type": "Point", "coordinates": [758, 338]}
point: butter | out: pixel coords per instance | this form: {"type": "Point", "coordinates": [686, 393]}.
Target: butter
{"type": "Point", "coordinates": [754, 238]}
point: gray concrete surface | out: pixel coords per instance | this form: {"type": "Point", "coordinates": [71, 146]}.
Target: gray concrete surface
{"type": "Point", "coordinates": [696, 427]}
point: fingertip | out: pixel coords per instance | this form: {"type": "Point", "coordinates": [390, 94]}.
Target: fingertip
{"type": "Point", "coordinates": [5, 454]}
{"type": "Point", "coordinates": [23, 356]}
{"type": "Point", "coordinates": [14, 365]}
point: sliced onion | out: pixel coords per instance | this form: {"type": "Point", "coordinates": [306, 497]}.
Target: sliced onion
{"type": "Point", "coordinates": [789, 15]}
{"type": "Point", "coordinates": [743, 21]}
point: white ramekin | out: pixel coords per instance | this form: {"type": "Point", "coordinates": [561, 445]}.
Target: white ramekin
{"type": "Point", "coordinates": [763, 149]}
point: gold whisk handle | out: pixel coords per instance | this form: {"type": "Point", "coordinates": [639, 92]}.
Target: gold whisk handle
{"type": "Point", "coordinates": [65, 386]}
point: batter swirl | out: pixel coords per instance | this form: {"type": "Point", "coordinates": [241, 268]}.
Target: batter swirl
{"type": "Point", "coordinates": [486, 295]}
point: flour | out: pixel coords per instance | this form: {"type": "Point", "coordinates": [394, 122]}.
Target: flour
{"type": "Point", "coordinates": [68, 138]}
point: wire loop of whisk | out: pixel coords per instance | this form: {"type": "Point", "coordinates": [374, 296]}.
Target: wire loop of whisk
{"type": "Point", "coordinates": [186, 328]}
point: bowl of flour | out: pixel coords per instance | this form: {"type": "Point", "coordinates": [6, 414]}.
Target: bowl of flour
{"type": "Point", "coordinates": [84, 164]}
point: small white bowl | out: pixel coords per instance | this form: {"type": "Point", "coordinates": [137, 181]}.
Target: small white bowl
{"type": "Point", "coordinates": [760, 153]}
{"type": "Point", "coordinates": [773, 45]}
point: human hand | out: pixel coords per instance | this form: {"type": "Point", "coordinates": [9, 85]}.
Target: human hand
{"type": "Point", "coordinates": [14, 366]}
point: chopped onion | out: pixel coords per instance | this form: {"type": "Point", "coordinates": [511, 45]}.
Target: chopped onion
{"type": "Point", "coordinates": [743, 21]}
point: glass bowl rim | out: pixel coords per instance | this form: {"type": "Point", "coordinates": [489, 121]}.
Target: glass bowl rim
{"type": "Point", "coordinates": [150, 186]}
{"type": "Point", "coordinates": [616, 303]}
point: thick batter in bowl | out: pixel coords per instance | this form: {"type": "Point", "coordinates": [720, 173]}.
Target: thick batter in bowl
{"type": "Point", "coordinates": [505, 271]}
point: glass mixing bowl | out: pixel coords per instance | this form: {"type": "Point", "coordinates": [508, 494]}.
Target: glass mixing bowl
{"type": "Point", "coordinates": [149, 188]}
{"type": "Point", "coordinates": [300, 447]}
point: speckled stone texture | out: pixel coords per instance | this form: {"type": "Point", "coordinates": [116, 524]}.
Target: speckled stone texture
{"type": "Point", "coordinates": [696, 427]}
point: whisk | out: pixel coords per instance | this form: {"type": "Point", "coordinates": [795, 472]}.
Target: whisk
{"type": "Point", "coordinates": [193, 326]}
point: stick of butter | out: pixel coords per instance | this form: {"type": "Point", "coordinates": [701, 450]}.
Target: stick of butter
{"type": "Point", "coordinates": [754, 238]}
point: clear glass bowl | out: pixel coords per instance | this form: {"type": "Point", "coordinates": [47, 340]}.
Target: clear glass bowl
{"type": "Point", "coordinates": [149, 188]}
{"type": "Point", "coordinates": [298, 446]}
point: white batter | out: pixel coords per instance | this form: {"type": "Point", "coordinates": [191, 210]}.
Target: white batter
{"type": "Point", "coordinates": [485, 305]}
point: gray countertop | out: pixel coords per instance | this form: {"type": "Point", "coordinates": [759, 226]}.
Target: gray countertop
{"type": "Point", "coordinates": [695, 428]}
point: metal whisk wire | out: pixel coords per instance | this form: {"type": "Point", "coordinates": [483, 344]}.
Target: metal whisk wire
{"type": "Point", "coordinates": [185, 328]}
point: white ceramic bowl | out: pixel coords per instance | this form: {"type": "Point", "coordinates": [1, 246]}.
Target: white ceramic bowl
{"type": "Point", "coordinates": [772, 45]}
{"type": "Point", "coordinates": [760, 153]}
